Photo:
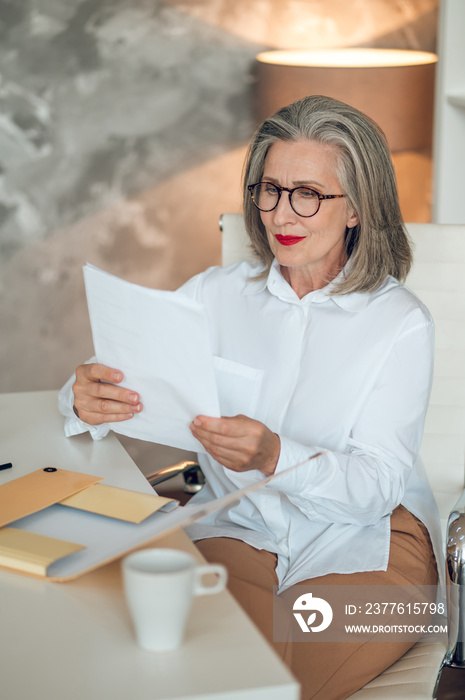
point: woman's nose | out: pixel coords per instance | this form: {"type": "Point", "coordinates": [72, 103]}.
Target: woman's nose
{"type": "Point", "coordinates": [283, 210]}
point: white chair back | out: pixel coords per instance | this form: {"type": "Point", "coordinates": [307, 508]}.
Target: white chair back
{"type": "Point", "coordinates": [438, 279]}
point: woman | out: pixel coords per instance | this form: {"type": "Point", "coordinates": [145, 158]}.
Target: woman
{"type": "Point", "coordinates": [319, 347]}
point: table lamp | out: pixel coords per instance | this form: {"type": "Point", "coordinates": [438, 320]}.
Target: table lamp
{"type": "Point", "coordinates": [394, 87]}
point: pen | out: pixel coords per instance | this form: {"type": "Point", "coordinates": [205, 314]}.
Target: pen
{"type": "Point", "coordinates": [7, 465]}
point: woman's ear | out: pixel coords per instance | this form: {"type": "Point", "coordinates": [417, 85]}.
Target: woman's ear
{"type": "Point", "coordinates": [352, 219]}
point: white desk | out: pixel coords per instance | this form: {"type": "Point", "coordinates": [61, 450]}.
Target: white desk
{"type": "Point", "coordinates": [74, 640]}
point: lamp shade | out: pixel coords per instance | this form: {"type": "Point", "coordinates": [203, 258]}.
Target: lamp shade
{"type": "Point", "coordinates": [394, 87]}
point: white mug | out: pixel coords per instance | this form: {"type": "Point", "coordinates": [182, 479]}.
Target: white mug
{"type": "Point", "coordinates": [159, 585]}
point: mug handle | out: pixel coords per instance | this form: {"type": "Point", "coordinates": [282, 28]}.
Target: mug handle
{"type": "Point", "coordinates": [201, 571]}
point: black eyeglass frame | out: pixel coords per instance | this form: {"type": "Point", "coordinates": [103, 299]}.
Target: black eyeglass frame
{"type": "Point", "coordinates": [291, 191]}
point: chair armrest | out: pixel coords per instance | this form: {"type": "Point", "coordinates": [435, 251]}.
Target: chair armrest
{"type": "Point", "coordinates": [193, 475]}
{"type": "Point", "coordinates": [455, 581]}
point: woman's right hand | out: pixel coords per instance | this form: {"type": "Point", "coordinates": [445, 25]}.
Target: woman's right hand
{"type": "Point", "coordinates": [96, 398]}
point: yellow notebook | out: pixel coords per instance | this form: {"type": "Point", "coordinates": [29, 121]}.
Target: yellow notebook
{"type": "Point", "coordinates": [32, 553]}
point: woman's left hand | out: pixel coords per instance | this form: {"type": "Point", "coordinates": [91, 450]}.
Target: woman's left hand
{"type": "Point", "coordinates": [238, 443]}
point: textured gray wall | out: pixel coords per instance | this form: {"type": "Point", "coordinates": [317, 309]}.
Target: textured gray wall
{"type": "Point", "coordinates": [123, 126]}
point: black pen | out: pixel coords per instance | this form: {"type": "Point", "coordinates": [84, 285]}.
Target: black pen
{"type": "Point", "coordinates": [8, 465]}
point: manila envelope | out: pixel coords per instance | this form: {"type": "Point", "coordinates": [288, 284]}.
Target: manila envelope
{"type": "Point", "coordinates": [132, 506]}
{"type": "Point", "coordinates": [35, 491]}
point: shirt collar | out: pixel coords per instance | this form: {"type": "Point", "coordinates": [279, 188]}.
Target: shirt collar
{"type": "Point", "coordinates": [279, 287]}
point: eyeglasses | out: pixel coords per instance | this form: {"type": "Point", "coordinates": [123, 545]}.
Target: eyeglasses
{"type": "Point", "coordinates": [304, 201]}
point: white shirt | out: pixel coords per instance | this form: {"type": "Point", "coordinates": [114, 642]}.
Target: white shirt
{"type": "Point", "coordinates": [348, 374]}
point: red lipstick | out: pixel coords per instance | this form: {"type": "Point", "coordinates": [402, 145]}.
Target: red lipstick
{"type": "Point", "coordinates": [289, 240]}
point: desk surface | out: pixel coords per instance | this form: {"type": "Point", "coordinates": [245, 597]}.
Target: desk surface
{"type": "Point", "coordinates": [60, 640]}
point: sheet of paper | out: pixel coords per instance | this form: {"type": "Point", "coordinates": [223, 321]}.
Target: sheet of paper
{"type": "Point", "coordinates": [160, 341]}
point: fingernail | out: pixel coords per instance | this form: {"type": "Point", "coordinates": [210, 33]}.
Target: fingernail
{"type": "Point", "coordinates": [117, 376]}
{"type": "Point", "coordinates": [197, 421]}
{"type": "Point", "coordinates": [133, 397]}
{"type": "Point", "coordinates": [139, 407]}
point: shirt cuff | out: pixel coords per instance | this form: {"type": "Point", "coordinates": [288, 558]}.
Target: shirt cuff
{"type": "Point", "coordinates": [294, 453]}
{"type": "Point", "coordinates": [75, 426]}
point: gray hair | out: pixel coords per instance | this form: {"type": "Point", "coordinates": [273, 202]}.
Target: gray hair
{"type": "Point", "coordinates": [378, 245]}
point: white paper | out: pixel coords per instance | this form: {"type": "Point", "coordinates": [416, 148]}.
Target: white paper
{"type": "Point", "coordinates": [160, 342]}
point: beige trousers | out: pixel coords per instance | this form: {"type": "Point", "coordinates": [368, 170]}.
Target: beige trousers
{"type": "Point", "coordinates": [329, 670]}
